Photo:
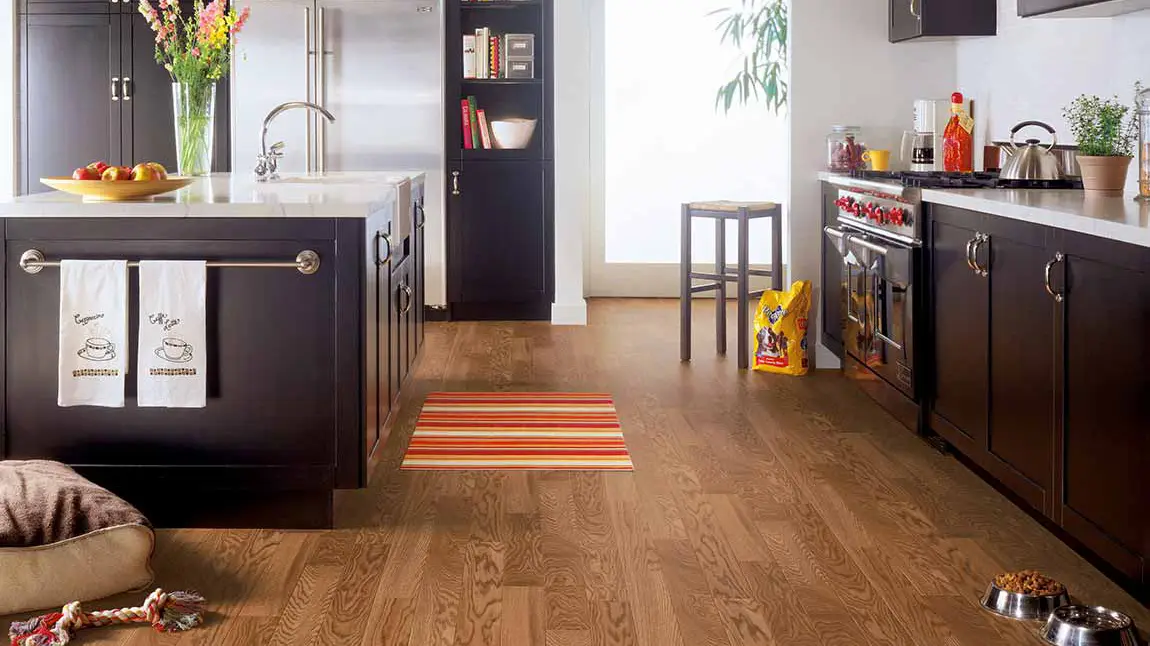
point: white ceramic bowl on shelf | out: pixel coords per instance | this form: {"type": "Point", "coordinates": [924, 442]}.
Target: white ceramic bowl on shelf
{"type": "Point", "coordinates": [512, 133]}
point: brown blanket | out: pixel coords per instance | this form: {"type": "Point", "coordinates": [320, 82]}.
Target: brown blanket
{"type": "Point", "coordinates": [45, 502]}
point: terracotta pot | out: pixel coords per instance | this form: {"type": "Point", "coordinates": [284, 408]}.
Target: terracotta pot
{"type": "Point", "coordinates": [1106, 174]}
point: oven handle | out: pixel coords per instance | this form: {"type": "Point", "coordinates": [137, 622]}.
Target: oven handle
{"type": "Point", "coordinates": [846, 237]}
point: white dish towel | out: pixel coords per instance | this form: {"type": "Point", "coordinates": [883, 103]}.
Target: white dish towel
{"type": "Point", "coordinates": [173, 331]}
{"type": "Point", "coordinates": [93, 333]}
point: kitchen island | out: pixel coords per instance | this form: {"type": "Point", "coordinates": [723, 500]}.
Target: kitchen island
{"type": "Point", "coordinates": [312, 326]}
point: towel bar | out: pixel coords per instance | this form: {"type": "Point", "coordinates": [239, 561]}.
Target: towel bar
{"type": "Point", "coordinates": [306, 262]}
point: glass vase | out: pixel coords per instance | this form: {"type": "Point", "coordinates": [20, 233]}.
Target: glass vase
{"type": "Point", "coordinates": [194, 107]}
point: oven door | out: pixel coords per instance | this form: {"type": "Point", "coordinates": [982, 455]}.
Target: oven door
{"type": "Point", "coordinates": [878, 292]}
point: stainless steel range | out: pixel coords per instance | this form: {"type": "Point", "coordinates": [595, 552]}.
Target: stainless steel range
{"type": "Point", "coordinates": [879, 235]}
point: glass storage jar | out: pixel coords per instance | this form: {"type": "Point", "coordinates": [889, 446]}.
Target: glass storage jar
{"type": "Point", "coordinates": [845, 149]}
{"type": "Point", "coordinates": [1142, 103]}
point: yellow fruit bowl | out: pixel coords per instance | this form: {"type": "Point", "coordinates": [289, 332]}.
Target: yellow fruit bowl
{"type": "Point", "coordinates": [94, 190]}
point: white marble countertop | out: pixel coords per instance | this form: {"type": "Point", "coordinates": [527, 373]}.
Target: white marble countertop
{"type": "Point", "coordinates": [226, 195]}
{"type": "Point", "coordinates": [1115, 217]}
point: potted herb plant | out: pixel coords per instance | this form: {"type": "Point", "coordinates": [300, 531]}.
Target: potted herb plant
{"type": "Point", "coordinates": [1105, 130]}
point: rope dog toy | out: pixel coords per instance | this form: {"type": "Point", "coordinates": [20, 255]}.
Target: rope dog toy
{"type": "Point", "coordinates": [167, 612]}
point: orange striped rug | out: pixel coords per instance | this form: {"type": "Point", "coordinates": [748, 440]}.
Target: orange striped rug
{"type": "Point", "coordinates": [551, 431]}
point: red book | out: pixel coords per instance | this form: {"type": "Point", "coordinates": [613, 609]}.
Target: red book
{"type": "Point", "coordinates": [467, 141]}
{"type": "Point", "coordinates": [493, 72]}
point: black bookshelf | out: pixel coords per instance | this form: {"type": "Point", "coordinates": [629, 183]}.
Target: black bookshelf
{"type": "Point", "coordinates": [499, 212]}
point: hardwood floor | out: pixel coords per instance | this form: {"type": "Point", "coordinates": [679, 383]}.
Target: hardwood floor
{"type": "Point", "coordinates": [763, 510]}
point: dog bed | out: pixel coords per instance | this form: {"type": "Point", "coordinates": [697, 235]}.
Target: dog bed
{"type": "Point", "coordinates": [64, 539]}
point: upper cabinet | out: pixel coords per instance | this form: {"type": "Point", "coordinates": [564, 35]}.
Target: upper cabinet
{"type": "Point", "coordinates": [939, 18]}
{"type": "Point", "coordinates": [1080, 8]}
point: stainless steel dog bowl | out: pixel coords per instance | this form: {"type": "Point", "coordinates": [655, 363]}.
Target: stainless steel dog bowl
{"type": "Point", "coordinates": [1023, 606]}
{"type": "Point", "coordinates": [1087, 626]}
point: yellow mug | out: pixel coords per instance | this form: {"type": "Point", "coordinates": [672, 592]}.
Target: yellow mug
{"type": "Point", "coordinates": [879, 159]}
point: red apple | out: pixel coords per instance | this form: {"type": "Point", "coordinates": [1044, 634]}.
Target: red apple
{"type": "Point", "coordinates": [99, 167]}
{"type": "Point", "coordinates": [116, 174]}
{"type": "Point", "coordinates": [161, 172]}
{"type": "Point", "coordinates": [85, 173]}
{"type": "Point", "coordinates": [144, 173]}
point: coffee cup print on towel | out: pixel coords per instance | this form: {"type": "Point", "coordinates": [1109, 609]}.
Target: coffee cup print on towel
{"type": "Point", "coordinates": [98, 349]}
{"type": "Point", "coordinates": [174, 350]}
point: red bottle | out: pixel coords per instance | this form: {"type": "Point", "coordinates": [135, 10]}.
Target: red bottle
{"type": "Point", "coordinates": [958, 138]}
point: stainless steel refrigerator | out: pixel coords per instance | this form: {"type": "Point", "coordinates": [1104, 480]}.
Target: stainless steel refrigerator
{"type": "Point", "coordinates": [377, 65]}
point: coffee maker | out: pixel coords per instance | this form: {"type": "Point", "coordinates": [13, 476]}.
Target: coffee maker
{"type": "Point", "coordinates": [922, 147]}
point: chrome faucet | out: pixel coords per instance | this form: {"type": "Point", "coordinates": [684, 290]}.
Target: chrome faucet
{"type": "Point", "coordinates": [267, 161]}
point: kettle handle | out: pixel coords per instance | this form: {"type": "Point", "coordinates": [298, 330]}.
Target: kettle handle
{"type": "Point", "coordinates": [1026, 124]}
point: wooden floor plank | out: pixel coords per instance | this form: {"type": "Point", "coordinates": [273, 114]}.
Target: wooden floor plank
{"type": "Point", "coordinates": [764, 509]}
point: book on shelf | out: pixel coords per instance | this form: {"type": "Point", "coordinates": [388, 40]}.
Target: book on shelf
{"type": "Point", "coordinates": [467, 141]}
{"type": "Point", "coordinates": [468, 56]}
{"type": "Point", "coordinates": [484, 130]}
{"type": "Point", "coordinates": [499, 56]}
{"type": "Point", "coordinates": [473, 115]}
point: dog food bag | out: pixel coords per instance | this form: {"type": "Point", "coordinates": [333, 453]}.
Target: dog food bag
{"type": "Point", "coordinates": [781, 330]}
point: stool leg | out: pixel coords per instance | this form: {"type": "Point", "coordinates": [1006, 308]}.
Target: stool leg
{"type": "Point", "coordinates": [721, 296]}
{"type": "Point", "coordinates": [777, 249]}
{"type": "Point", "coordinates": [744, 284]}
{"type": "Point", "coordinates": [685, 286]}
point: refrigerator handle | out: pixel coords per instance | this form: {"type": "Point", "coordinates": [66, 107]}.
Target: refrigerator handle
{"type": "Point", "coordinates": [320, 91]}
{"type": "Point", "coordinates": [309, 40]}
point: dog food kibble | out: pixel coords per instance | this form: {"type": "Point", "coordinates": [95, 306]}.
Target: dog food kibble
{"type": "Point", "coordinates": [1028, 582]}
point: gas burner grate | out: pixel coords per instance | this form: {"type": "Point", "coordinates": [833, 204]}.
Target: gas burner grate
{"type": "Point", "coordinates": [937, 179]}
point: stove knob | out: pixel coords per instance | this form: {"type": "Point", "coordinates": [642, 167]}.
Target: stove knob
{"type": "Point", "coordinates": [896, 216]}
{"type": "Point", "coordinates": [880, 216]}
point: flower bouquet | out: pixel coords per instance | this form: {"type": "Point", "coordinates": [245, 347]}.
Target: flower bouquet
{"type": "Point", "coordinates": [196, 50]}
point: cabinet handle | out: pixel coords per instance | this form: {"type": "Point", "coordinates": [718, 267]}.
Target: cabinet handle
{"type": "Point", "coordinates": [126, 88]}
{"type": "Point", "coordinates": [387, 239]}
{"type": "Point", "coordinates": [970, 253]}
{"type": "Point", "coordinates": [915, 12]}
{"type": "Point", "coordinates": [979, 269]}
{"type": "Point", "coordinates": [455, 182]}
{"type": "Point", "coordinates": [410, 298]}
{"type": "Point", "coordinates": [422, 215]}
{"type": "Point", "coordinates": [115, 88]}
{"type": "Point", "coordinates": [1058, 296]}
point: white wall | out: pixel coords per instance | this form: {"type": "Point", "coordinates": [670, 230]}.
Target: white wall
{"type": "Point", "coordinates": [1035, 66]}
{"type": "Point", "coordinates": [843, 70]}
{"type": "Point", "coordinates": [575, 36]}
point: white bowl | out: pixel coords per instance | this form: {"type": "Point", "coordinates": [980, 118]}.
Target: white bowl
{"type": "Point", "coordinates": [512, 133]}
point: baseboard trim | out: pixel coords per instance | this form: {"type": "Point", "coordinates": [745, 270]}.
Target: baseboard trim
{"type": "Point", "coordinates": [569, 313]}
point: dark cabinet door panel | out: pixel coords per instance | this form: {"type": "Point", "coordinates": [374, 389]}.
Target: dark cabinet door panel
{"type": "Point", "coordinates": [1022, 372]}
{"type": "Point", "coordinates": [501, 233]}
{"type": "Point", "coordinates": [961, 333]}
{"type": "Point", "coordinates": [68, 117]}
{"type": "Point", "coordinates": [905, 19]}
{"type": "Point", "coordinates": [940, 18]}
{"type": "Point", "coordinates": [1105, 494]}
{"type": "Point", "coordinates": [272, 349]}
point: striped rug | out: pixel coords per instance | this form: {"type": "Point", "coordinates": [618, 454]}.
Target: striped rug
{"type": "Point", "coordinates": [544, 431]}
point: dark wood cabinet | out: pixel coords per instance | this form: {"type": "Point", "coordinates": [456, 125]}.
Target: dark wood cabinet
{"type": "Point", "coordinates": [1040, 372]}
{"type": "Point", "coordinates": [90, 89]}
{"type": "Point", "coordinates": [993, 395]}
{"type": "Point", "coordinates": [1104, 351]}
{"type": "Point", "coordinates": [420, 254]}
{"type": "Point", "coordinates": [960, 304]}
{"type": "Point", "coordinates": [832, 286]}
{"type": "Point", "coordinates": [939, 18]}
{"type": "Point", "coordinates": [69, 70]}
{"type": "Point", "coordinates": [381, 391]}
{"type": "Point", "coordinates": [499, 213]}
{"type": "Point", "coordinates": [1080, 8]}
{"type": "Point", "coordinates": [501, 239]}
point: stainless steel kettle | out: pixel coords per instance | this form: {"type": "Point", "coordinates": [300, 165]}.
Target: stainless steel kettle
{"type": "Point", "coordinates": [1032, 160]}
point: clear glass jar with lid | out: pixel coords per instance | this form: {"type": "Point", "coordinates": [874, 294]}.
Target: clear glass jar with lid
{"type": "Point", "coordinates": [1142, 103]}
{"type": "Point", "coordinates": [845, 149]}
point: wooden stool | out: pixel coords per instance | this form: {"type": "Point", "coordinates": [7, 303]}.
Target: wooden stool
{"type": "Point", "coordinates": [743, 213]}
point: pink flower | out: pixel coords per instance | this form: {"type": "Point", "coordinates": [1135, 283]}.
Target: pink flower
{"type": "Point", "coordinates": [243, 17]}
{"type": "Point", "coordinates": [196, 52]}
